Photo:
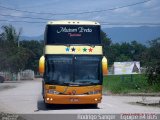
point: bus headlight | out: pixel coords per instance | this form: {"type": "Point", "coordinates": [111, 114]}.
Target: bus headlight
{"type": "Point", "coordinates": [53, 92]}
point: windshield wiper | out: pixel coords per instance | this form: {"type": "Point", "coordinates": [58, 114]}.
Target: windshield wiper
{"type": "Point", "coordinates": [71, 84]}
{"type": "Point", "coordinates": [89, 82]}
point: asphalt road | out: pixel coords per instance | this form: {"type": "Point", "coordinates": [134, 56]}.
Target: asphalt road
{"type": "Point", "coordinates": [26, 98]}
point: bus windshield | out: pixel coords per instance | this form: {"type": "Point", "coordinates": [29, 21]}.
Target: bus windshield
{"type": "Point", "coordinates": [72, 34]}
{"type": "Point", "coordinates": [79, 70]}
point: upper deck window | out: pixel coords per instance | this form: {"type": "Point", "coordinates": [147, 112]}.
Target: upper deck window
{"type": "Point", "coordinates": [72, 34]}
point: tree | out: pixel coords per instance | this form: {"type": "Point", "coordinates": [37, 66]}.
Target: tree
{"type": "Point", "coordinates": [14, 57]}
{"type": "Point", "coordinates": [36, 48]}
{"type": "Point", "coordinates": [137, 51]}
{"type": "Point", "coordinates": [106, 42]}
{"type": "Point", "coordinates": [152, 56]}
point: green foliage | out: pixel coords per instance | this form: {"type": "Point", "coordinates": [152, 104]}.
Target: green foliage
{"type": "Point", "coordinates": [128, 51]}
{"type": "Point", "coordinates": [13, 58]}
{"type": "Point", "coordinates": [10, 35]}
{"type": "Point", "coordinates": [155, 87]}
{"type": "Point", "coordinates": [152, 56]}
{"type": "Point", "coordinates": [149, 58]}
{"type": "Point", "coordinates": [106, 42]}
{"type": "Point", "coordinates": [128, 84]}
{"type": "Point", "coordinates": [18, 55]}
{"type": "Point", "coordinates": [36, 48]}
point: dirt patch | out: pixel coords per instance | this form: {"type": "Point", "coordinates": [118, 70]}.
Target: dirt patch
{"type": "Point", "coordinates": [109, 93]}
{"type": "Point", "coordinates": [7, 116]}
{"type": "Point", "coordinates": [146, 103]}
{"type": "Point", "coordinates": [5, 87]}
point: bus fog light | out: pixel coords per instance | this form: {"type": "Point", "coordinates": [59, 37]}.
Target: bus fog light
{"type": "Point", "coordinates": [95, 99]}
{"type": "Point", "coordinates": [51, 99]}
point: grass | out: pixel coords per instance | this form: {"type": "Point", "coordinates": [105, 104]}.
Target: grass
{"type": "Point", "coordinates": [128, 84]}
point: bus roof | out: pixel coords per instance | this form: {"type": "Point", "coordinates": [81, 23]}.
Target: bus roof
{"type": "Point", "coordinates": [72, 22]}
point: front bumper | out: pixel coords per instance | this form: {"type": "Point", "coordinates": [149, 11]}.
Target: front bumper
{"type": "Point", "coordinates": [73, 99]}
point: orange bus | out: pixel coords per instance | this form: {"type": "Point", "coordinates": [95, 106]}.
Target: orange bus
{"type": "Point", "coordinates": [73, 64]}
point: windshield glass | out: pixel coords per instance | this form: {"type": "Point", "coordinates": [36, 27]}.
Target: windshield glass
{"type": "Point", "coordinates": [87, 69]}
{"type": "Point", "coordinates": [73, 70]}
{"type": "Point", "coordinates": [72, 34]}
{"type": "Point", "coordinates": [59, 69]}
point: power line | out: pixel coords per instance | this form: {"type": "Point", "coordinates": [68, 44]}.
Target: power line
{"type": "Point", "coordinates": [110, 9]}
{"type": "Point", "coordinates": [37, 5]}
{"type": "Point", "coordinates": [24, 17]}
{"type": "Point", "coordinates": [21, 21]}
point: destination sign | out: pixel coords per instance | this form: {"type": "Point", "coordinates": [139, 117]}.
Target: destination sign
{"type": "Point", "coordinates": [73, 34]}
{"type": "Point", "coordinates": [71, 30]}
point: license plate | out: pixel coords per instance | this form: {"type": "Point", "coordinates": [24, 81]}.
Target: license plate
{"type": "Point", "coordinates": [74, 99]}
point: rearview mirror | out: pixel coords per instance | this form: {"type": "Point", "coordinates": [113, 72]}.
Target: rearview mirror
{"type": "Point", "coordinates": [41, 65]}
{"type": "Point", "coordinates": [104, 66]}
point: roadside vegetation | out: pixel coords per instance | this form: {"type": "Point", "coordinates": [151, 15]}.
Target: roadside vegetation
{"type": "Point", "coordinates": [17, 55]}
{"type": "Point", "coordinates": [149, 57]}
{"type": "Point", "coordinates": [121, 84]}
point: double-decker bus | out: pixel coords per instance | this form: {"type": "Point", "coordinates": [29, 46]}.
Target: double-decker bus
{"type": "Point", "coordinates": [73, 63]}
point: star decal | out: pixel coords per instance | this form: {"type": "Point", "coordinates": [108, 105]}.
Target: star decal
{"type": "Point", "coordinates": [90, 49]}
{"type": "Point", "coordinates": [73, 49]}
{"type": "Point", "coordinates": [67, 49]}
{"type": "Point", "coordinates": [78, 49]}
{"type": "Point", "coordinates": [84, 50]}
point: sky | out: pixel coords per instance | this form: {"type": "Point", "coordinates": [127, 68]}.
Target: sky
{"type": "Point", "coordinates": [110, 13]}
